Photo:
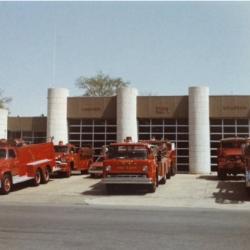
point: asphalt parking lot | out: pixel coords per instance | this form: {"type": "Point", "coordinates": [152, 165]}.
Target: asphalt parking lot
{"type": "Point", "coordinates": [182, 190]}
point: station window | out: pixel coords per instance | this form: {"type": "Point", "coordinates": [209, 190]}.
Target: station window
{"type": "Point", "coordinates": [225, 128]}
{"type": "Point", "coordinates": [74, 129]}
{"type": "Point", "coordinates": [100, 129]}
{"type": "Point", "coordinates": [167, 129]}
{"type": "Point", "coordinates": [92, 132]}
{"type": "Point", "coordinates": [111, 129]}
{"type": "Point", "coordinates": [87, 129]}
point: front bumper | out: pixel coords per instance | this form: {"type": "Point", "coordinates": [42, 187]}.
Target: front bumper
{"type": "Point", "coordinates": [233, 167]}
{"type": "Point", "coordinates": [248, 178]}
{"type": "Point", "coordinates": [96, 171]}
{"type": "Point", "coordinates": [126, 179]}
{"type": "Point", "coordinates": [60, 166]}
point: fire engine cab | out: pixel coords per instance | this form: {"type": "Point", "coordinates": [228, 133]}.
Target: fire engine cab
{"type": "Point", "coordinates": [230, 157]}
{"type": "Point", "coordinates": [130, 163]}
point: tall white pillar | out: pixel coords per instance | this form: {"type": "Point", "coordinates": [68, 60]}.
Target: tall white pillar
{"type": "Point", "coordinates": [199, 134]}
{"type": "Point", "coordinates": [57, 125]}
{"type": "Point", "coordinates": [126, 113]}
{"type": "Point", "coordinates": [3, 123]}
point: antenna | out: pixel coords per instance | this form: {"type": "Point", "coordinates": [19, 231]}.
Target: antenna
{"type": "Point", "coordinates": [54, 57]}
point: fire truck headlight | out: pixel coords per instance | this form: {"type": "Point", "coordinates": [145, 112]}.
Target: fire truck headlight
{"type": "Point", "coordinates": [145, 169]}
{"type": "Point", "coordinates": [108, 168]}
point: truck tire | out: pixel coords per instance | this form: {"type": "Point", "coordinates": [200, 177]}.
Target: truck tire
{"type": "Point", "coordinates": [169, 174]}
{"type": "Point", "coordinates": [157, 178]}
{"type": "Point", "coordinates": [67, 174]}
{"type": "Point", "coordinates": [248, 191]}
{"type": "Point", "coordinates": [152, 188]}
{"type": "Point", "coordinates": [6, 184]}
{"type": "Point", "coordinates": [163, 180]}
{"type": "Point", "coordinates": [45, 176]}
{"type": "Point", "coordinates": [84, 172]}
{"type": "Point", "coordinates": [37, 178]}
{"type": "Point", "coordinates": [173, 170]}
{"type": "Point", "coordinates": [72, 165]}
{"type": "Point", "coordinates": [155, 184]}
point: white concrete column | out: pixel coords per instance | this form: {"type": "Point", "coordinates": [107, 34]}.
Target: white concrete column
{"type": "Point", "coordinates": [3, 123]}
{"type": "Point", "coordinates": [57, 125]}
{"type": "Point", "coordinates": [126, 113]}
{"type": "Point", "coordinates": [199, 133]}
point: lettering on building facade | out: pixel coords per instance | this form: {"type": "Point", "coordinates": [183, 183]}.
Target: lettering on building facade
{"type": "Point", "coordinates": [161, 110]}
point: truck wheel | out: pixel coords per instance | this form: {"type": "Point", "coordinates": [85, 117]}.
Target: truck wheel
{"type": "Point", "coordinates": [67, 174]}
{"type": "Point", "coordinates": [84, 172]}
{"type": "Point", "coordinates": [6, 184]}
{"type": "Point", "coordinates": [155, 184]}
{"type": "Point", "coordinates": [157, 178]}
{"type": "Point", "coordinates": [37, 178]}
{"type": "Point", "coordinates": [221, 175]}
{"type": "Point", "coordinates": [173, 170]}
{"type": "Point", "coordinates": [163, 180]}
{"type": "Point", "coordinates": [152, 187]}
{"type": "Point", "coordinates": [45, 176]}
{"type": "Point", "coordinates": [168, 175]}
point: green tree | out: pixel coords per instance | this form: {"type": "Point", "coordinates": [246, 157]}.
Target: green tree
{"type": "Point", "coordinates": [100, 85]}
{"type": "Point", "coordinates": [4, 100]}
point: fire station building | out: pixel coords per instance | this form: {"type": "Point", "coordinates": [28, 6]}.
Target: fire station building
{"type": "Point", "coordinates": [195, 122]}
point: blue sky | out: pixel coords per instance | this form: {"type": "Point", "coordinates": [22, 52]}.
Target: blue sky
{"type": "Point", "coordinates": [161, 48]}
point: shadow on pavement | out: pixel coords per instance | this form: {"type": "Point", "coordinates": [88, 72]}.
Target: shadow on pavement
{"type": "Point", "coordinates": [95, 177]}
{"type": "Point", "coordinates": [96, 189]}
{"type": "Point", "coordinates": [60, 175]}
{"type": "Point", "coordinates": [230, 191]}
{"type": "Point", "coordinates": [25, 185]}
{"type": "Point", "coordinates": [100, 189]}
{"type": "Point", "coordinates": [20, 186]}
{"type": "Point", "coordinates": [215, 178]}
{"type": "Point", "coordinates": [208, 177]}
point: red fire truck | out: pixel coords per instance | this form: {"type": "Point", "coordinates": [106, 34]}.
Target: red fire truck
{"type": "Point", "coordinates": [246, 154]}
{"type": "Point", "coordinates": [165, 154]}
{"type": "Point", "coordinates": [20, 162]}
{"type": "Point", "coordinates": [69, 158]}
{"type": "Point", "coordinates": [230, 157]}
{"type": "Point", "coordinates": [130, 163]}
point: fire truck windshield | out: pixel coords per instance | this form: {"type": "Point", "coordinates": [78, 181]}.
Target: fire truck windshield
{"type": "Point", "coordinates": [127, 152]}
{"type": "Point", "coordinates": [232, 144]}
{"type": "Point", "coordinates": [2, 153]}
{"type": "Point", "coordinates": [61, 149]}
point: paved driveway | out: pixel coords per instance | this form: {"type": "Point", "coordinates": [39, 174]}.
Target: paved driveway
{"type": "Point", "coordinates": [183, 190]}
